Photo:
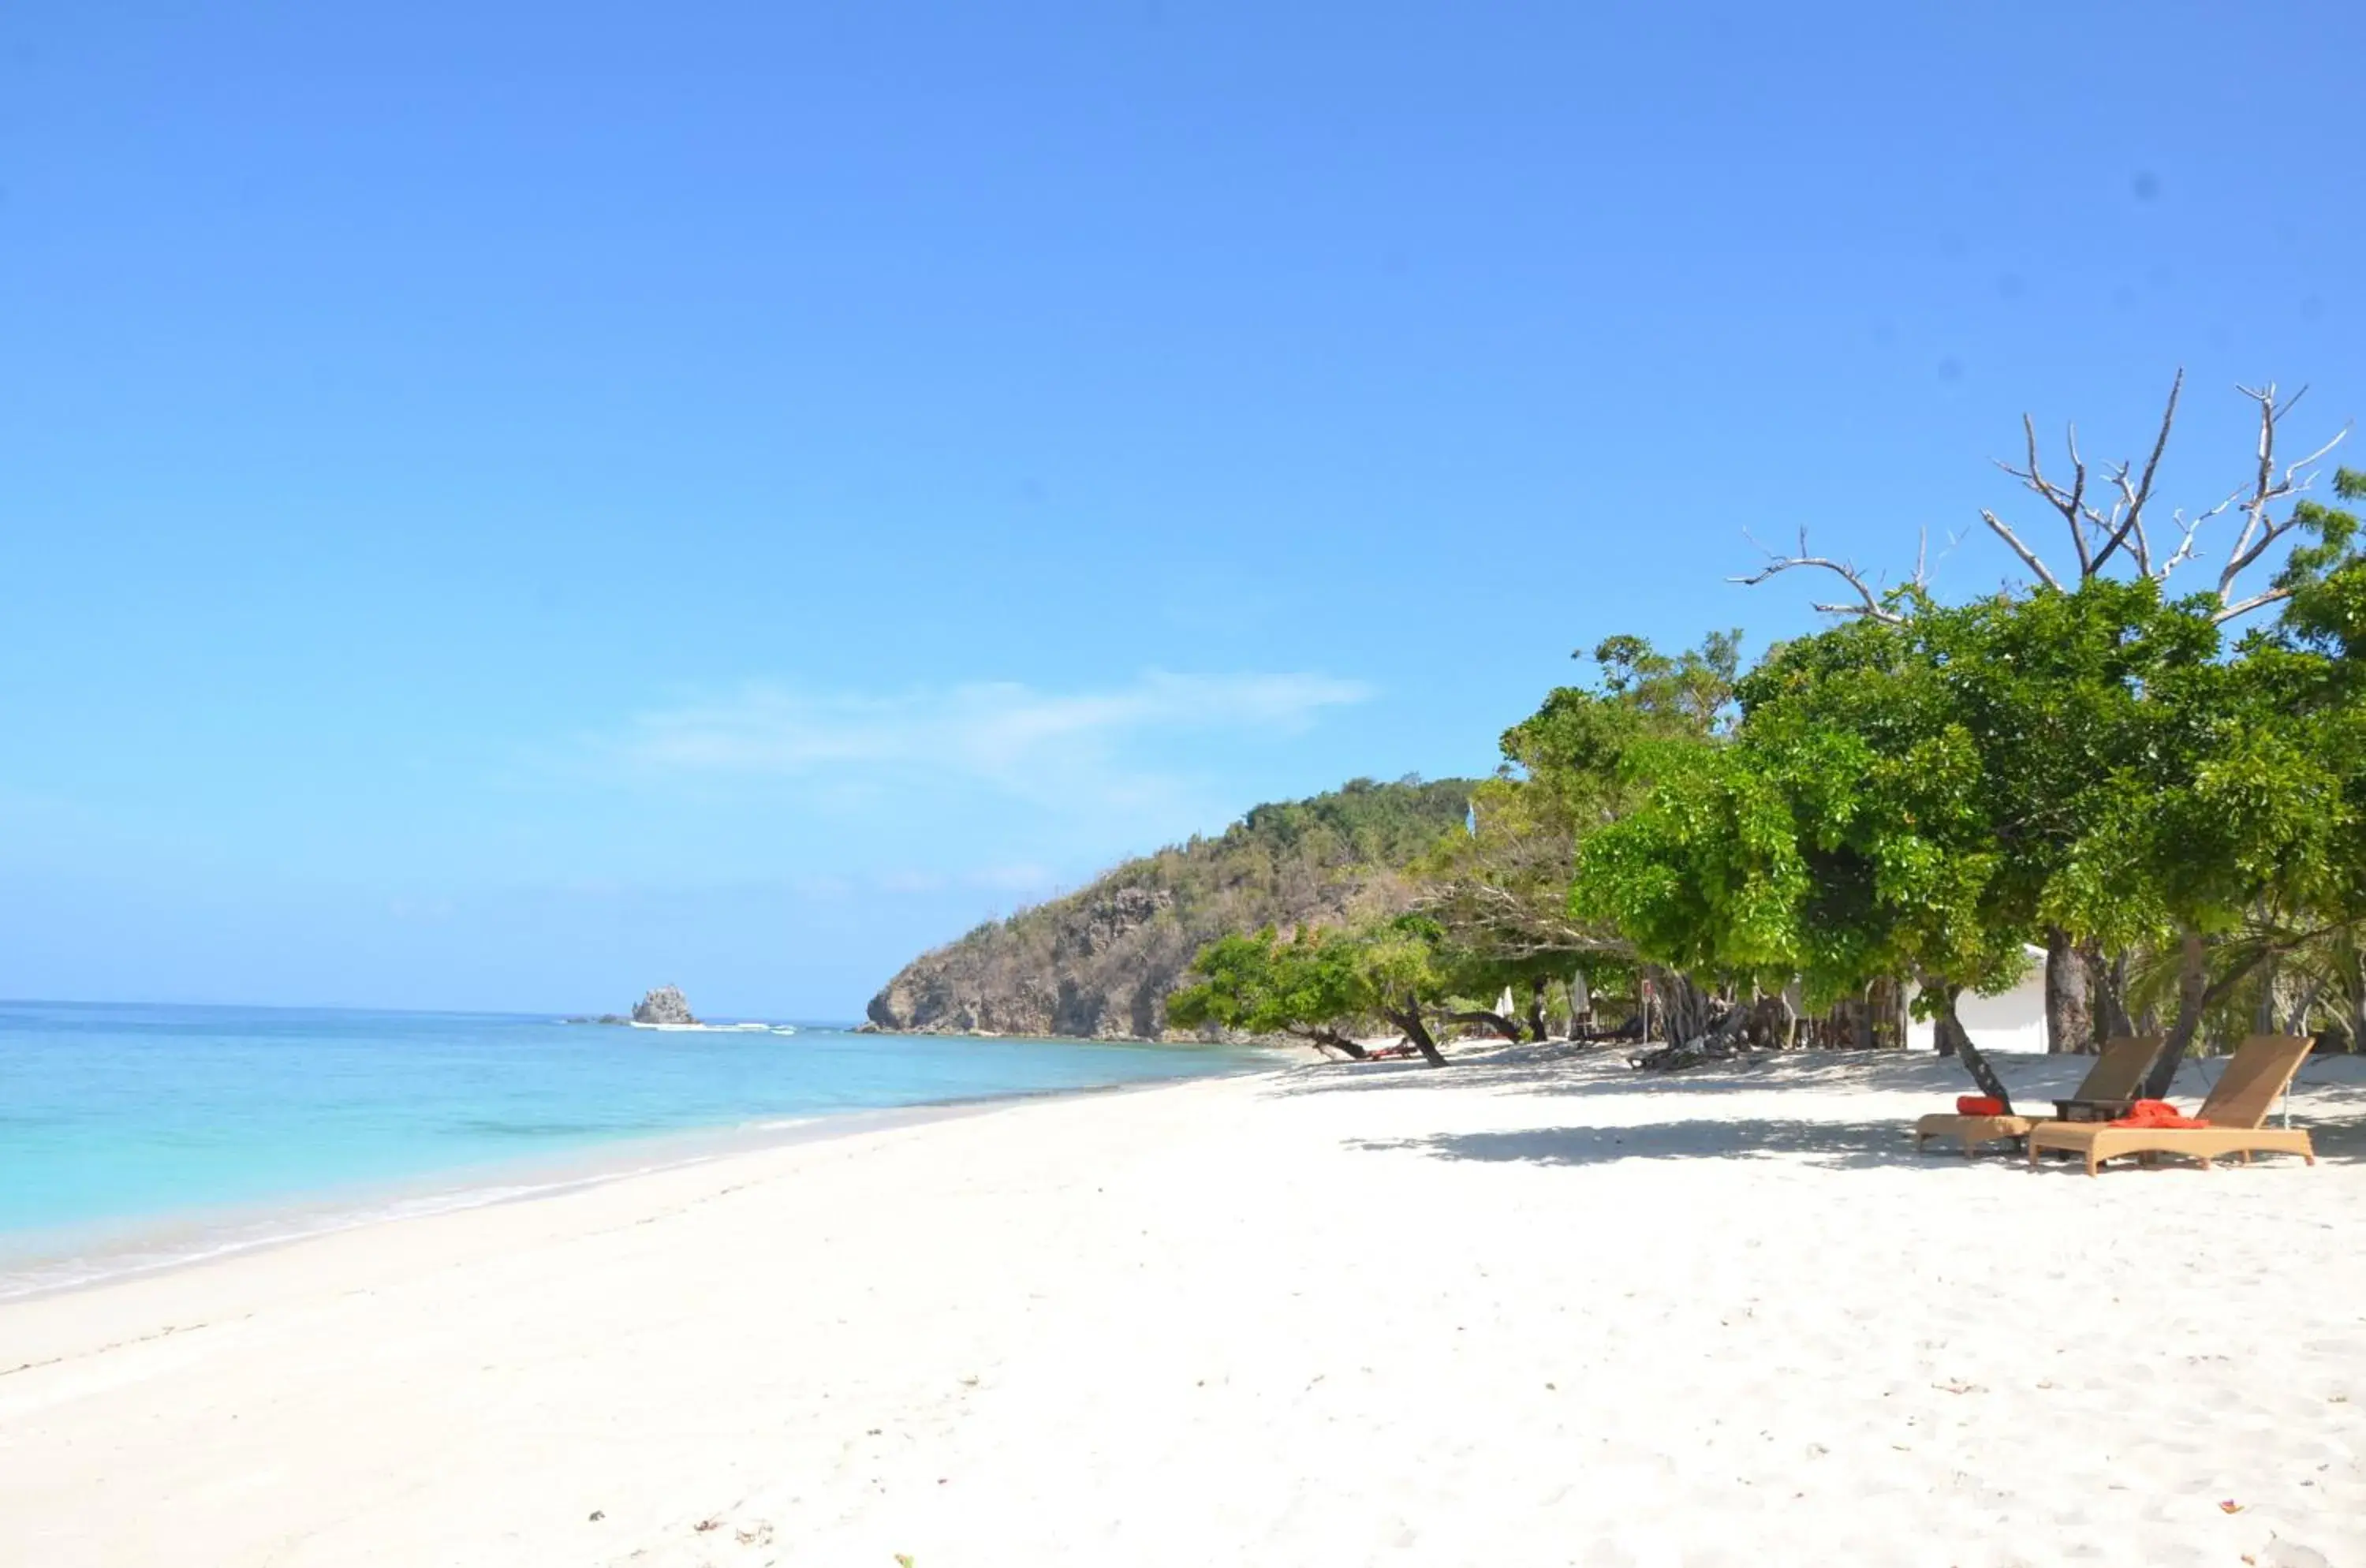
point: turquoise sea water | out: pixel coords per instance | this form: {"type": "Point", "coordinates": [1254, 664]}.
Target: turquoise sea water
{"type": "Point", "coordinates": [136, 1116]}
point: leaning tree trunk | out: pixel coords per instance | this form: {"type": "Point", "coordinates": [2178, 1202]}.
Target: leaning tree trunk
{"type": "Point", "coordinates": [2069, 1015]}
{"type": "Point", "coordinates": [2264, 1012]}
{"type": "Point", "coordinates": [2303, 1007]}
{"type": "Point", "coordinates": [2196, 994]}
{"type": "Point", "coordinates": [1407, 1016]}
{"type": "Point", "coordinates": [1953, 1040]}
{"type": "Point", "coordinates": [2192, 991]}
{"type": "Point", "coordinates": [1947, 1031]}
{"type": "Point", "coordinates": [1495, 1021]}
{"type": "Point", "coordinates": [1325, 1038]}
{"type": "Point", "coordinates": [2111, 991]}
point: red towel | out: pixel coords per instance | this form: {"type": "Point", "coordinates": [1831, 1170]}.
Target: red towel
{"type": "Point", "coordinates": [1979, 1105]}
{"type": "Point", "coordinates": [2158, 1113]}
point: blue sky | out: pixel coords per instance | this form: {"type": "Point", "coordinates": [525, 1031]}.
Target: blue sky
{"type": "Point", "coordinates": [504, 504]}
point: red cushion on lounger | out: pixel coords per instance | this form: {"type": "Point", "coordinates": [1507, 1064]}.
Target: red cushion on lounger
{"type": "Point", "coordinates": [2158, 1113]}
{"type": "Point", "coordinates": [1979, 1105]}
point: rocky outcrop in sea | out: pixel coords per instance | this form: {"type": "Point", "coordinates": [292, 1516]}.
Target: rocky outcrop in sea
{"type": "Point", "coordinates": [664, 1005]}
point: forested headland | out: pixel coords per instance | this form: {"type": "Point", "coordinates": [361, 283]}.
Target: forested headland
{"type": "Point", "coordinates": [1100, 962]}
{"type": "Point", "coordinates": [2142, 756]}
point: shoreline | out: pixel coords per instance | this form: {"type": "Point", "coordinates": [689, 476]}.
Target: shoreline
{"type": "Point", "coordinates": [1535, 1309]}
{"type": "Point", "coordinates": [46, 1262]}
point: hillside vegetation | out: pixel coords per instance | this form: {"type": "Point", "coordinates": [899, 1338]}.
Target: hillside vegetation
{"type": "Point", "coordinates": [1100, 962]}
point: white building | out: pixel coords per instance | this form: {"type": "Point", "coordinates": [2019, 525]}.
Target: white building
{"type": "Point", "coordinates": [2013, 1022]}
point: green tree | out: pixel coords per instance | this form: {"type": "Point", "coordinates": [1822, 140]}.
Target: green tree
{"type": "Point", "coordinates": [1842, 837]}
{"type": "Point", "coordinates": [1903, 793]}
{"type": "Point", "coordinates": [2325, 581]}
{"type": "Point", "coordinates": [1266, 984]}
{"type": "Point", "coordinates": [1499, 890]}
{"type": "Point", "coordinates": [2239, 833]}
{"type": "Point", "coordinates": [1318, 984]}
{"type": "Point", "coordinates": [2271, 530]}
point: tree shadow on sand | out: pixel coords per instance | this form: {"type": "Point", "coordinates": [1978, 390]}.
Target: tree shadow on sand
{"type": "Point", "coordinates": [2329, 1098]}
{"type": "Point", "coordinates": [1846, 1146]}
{"type": "Point", "coordinates": [2329, 1094]}
{"type": "Point", "coordinates": [1555, 1068]}
{"type": "Point", "coordinates": [1841, 1144]}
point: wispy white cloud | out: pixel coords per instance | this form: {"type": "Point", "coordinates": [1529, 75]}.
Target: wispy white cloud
{"type": "Point", "coordinates": [970, 798]}
{"type": "Point", "coordinates": [999, 733]}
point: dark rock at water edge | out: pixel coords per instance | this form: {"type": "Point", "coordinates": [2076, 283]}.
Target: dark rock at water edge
{"type": "Point", "coordinates": [664, 1005]}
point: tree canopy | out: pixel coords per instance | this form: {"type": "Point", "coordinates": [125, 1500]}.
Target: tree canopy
{"type": "Point", "coordinates": [1920, 795]}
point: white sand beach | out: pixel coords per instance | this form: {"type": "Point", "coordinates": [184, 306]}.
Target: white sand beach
{"type": "Point", "coordinates": [1534, 1309]}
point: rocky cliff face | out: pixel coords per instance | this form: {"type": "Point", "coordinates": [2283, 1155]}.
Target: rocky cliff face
{"type": "Point", "coordinates": [664, 1005]}
{"type": "Point", "coordinates": [1099, 963]}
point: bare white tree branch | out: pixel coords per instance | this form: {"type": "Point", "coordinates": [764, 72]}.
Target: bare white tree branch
{"type": "Point", "coordinates": [2126, 522]}
{"type": "Point", "coordinates": [1869, 602]}
{"type": "Point", "coordinates": [2028, 557]}
{"type": "Point", "coordinates": [2096, 534]}
{"type": "Point", "coordinates": [2074, 507]}
{"type": "Point", "coordinates": [2099, 531]}
{"type": "Point", "coordinates": [2245, 606]}
{"type": "Point", "coordinates": [2190, 530]}
{"type": "Point", "coordinates": [2261, 528]}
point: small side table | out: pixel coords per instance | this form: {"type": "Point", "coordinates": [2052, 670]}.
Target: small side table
{"type": "Point", "coordinates": [2090, 1109]}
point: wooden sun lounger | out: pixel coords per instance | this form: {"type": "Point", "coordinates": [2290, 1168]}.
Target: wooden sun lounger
{"type": "Point", "coordinates": [2115, 1075]}
{"type": "Point", "coordinates": [2237, 1110]}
